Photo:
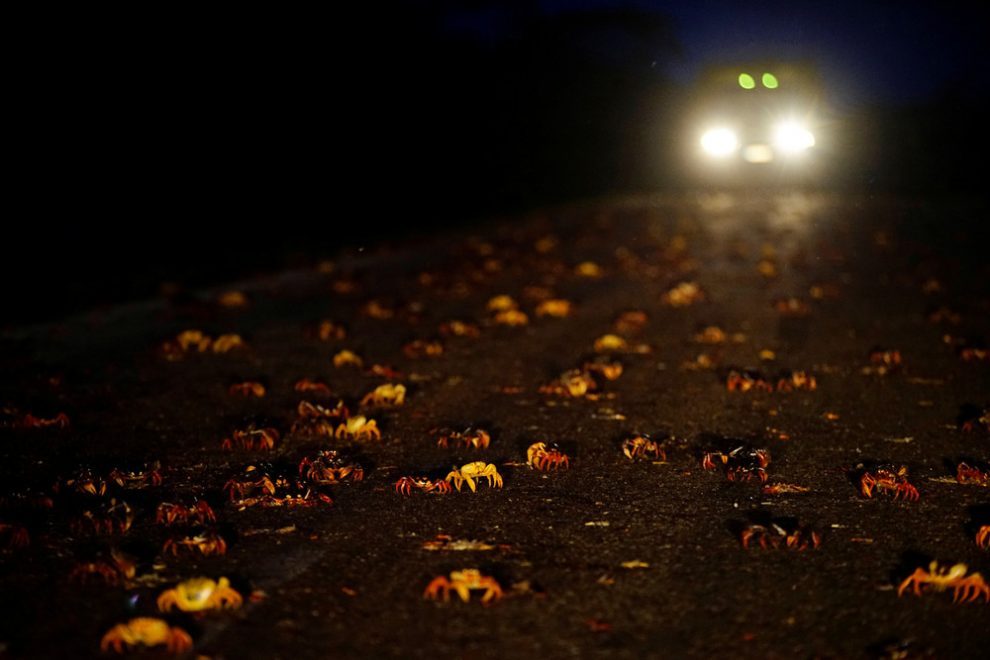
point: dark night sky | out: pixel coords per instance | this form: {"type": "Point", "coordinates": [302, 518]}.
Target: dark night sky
{"type": "Point", "coordinates": [868, 52]}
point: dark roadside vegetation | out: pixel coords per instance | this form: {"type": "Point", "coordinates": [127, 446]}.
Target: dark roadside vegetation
{"type": "Point", "coordinates": [193, 152]}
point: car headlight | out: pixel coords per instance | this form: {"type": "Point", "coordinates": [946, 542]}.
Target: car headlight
{"type": "Point", "coordinates": [792, 137]}
{"type": "Point", "coordinates": [719, 142]}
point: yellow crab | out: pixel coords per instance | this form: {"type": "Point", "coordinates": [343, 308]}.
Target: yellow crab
{"type": "Point", "coordinates": [965, 588]}
{"type": "Point", "coordinates": [502, 303]}
{"type": "Point", "coordinates": [512, 318]}
{"type": "Point", "coordinates": [227, 343]}
{"type": "Point", "coordinates": [476, 470]}
{"type": "Point", "coordinates": [464, 582]}
{"type": "Point", "coordinates": [198, 594]}
{"type": "Point", "coordinates": [347, 358]}
{"type": "Point", "coordinates": [146, 631]}
{"type": "Point", "coordinates": [556, 307]}
{"type": "Point", "coordinates": [385, 395]}
{"type": "Point", "coordinates": [359, 428]}
{"type": "Point", "coordinates": [610, 342]}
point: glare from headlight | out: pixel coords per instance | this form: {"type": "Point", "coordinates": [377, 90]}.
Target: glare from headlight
{"type": "Point", "coordinates": [792, 138]}
{"type": "Point", "coordinates": [719, 142]}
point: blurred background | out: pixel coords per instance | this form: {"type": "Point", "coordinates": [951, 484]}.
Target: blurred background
{"type": "Point", "coordinates": [201, 146]}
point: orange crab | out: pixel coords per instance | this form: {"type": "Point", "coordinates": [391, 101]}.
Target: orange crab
{"type": "Point", "coordinates": [405, 485]}
{"type": "Point", "coordinates": [740, 464]}
{"type": "Point", "coordinates": [17, 535]}
{"type": "Point", "coordinates": [573, 383]}
{"type": "Point", "coordinates": [797, 380]}
{"type": "Point", "coordinates": [774, 536]}
{"type": "Point", "coordinates": [965, 588]}
{"type": "Point", "coordinates": [327, 330]}
{"type": "Point", "coordinates": [252, 439]}
{"type": "Point", "coordinates": [247, 388]}
{"type": "Point", "coordinates": [457, 328]}
{"type": "Point", "coordinates": [966, 474]}
{"type": "Point", "coordinates": [227, 343]}
{"type": "Point", "coordinates": [889, 480]}
{"type": "Point", "coordinates": [605, 367]}
{"type": "Point", "coordinates": [327, 467]}
{"type": "Point", "coordinates": [146, 631]}
{"type": "Point", "coordinates": [206, 543]}
{"type": "Point", "coordinates": [420, 348]}
{"type": "Point", "coordinates": [358, 428]}
{"type": "Point", "coordinates": [463, 582]}
{"type": "Point", "coordinates": [173, 514]}
{"type": "Point", "coordinates": [318, 420]}
{"type": "Point", "coordinates": [511, 318]}
{"type": "Point", "coordinates": [556, 307]}
{"type": "Point", "coordinates": [747, 380]}
{"type": "Point", "coordinates": [683, 295]}
{"type": "Point", "coordinates": [119, 568]}
{"type": "Point", "coordinates": [469, 437]}
{"type": "Point", "coordinates": [983, 537]}
{"type": "Point", "coordinates": [545, 457]}
{"type": "Point", "coordinates": [642, 446]}
{"type": "Point", "coordinates": [199, 594]}
{"type": "Point", "coordinates": [310, 385]}
{"type": "Point", "coordinates": [347, 358]}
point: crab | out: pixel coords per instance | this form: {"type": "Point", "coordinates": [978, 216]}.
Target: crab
{"type": "Point", "coordinates": [247, 388]}
{"type": "Point", "coordinates": [358, 428]}
{"type": "Point", "coordinates": [405, 485]}
{"type": "Point", "coordinates": [327, 330]}
{"type": "Point", "coordinates": [710, 334]}
{"type": "Point", "coordinates": [252, 439]}
{"type": "Point", "coordinates": [603, 366]}
{"type": "Point", "coordinates": [185, 342]}
{"type": "Point", "coordinates": [146, 631]}
{"type": "Point", "coordinates": [974, 353]}
{"type": "Point", "coordinates": [747, 380]}
{"type": "Point", "coordinates": [979, 475]}
{"type": "Point", "coordinates": [588, 269]}
{"type": "Point", "coordinates": [207, 543]}
{"type": "Point", "coordinates": [327, 467]}
{"type": "Point", "coordinates": [883, 361]}
{"type": "Point", "coordinates": [502, 303]}
{"type": "Point", "coordinates": [511, 318]}
{"type": "Point", "coordinates": [420, 348]}
{"type": "Point", "coordinates": [475, 470]}
{"type": "Point", "coordinates": [227, 343]}
{"type": "Point", "coordinates": [233, 299]}
{"type": "Point", "coordinates": [797, 380]}
{"type": "Point", "coordinates": [314, 386]}
{"type": "Point", "coordinates": [609, 342]}
{"type": "Point", "coordinates": [642, 446]}
{"type": "Point", "coordinates": [114, 517]}
{"type": "Point", "coordinates": [199, 594]}
{"type": "Point", "coordinates": [386, 395]}
{"type": "Point", "coordinates": [315, 419]}
{"type": "Point", "coordinates": [29, 421]}
{"type": "Point", "coordinates": [85, 482]}
{"type": "Point", "coordinates": [457, 328]}
{"type": "Point", "coordinates": [118, 568]}
{"type": "Point", "coordinates": [347, 358]}
{"type": "Point", "coordinates": [573, 383]}
{"type": "Point", "coordinates": [556, 307]}
{"type": "Point", "coordinates": [741, 464]}
{"type": "Point", "coordinates": [254, 481]}
{"type": "Point", "coordinates": [630, 321]}
{"type": "Point", "coordinates": [983, 537]}
{"type": "Point", "coordinates": [383, 371]}
{"type": "Point", "coordinates": [965, 588]}
{"type": "Point", "coordinates": [172, 514]}
{"type": "Point", "coordinates": [972, 418]}
{"type": "Point", "coordinates": [463, 582]}
{"type": "Point", "coordinates": [138, 478]}
{"type": "Point", "coordinates": [791, 307]}
{"type": "Point", "coordinates": [683, 294]}
{"type": "Point", "coordinates": [469, 437]}
{"type": "Point", "coordinates": [16, 536]}
{"type": "Point", "coordinates": [545, 457]}
{"type": "Point", "coordinates": [378, 309]}
{"type": "Point", "coordinates": [774, 536]}
{"type": "Point", "coordinates": [888, 479]}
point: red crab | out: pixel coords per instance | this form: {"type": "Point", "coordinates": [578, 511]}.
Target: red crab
{"type": "Point", "coordinates": [546, 457]}
{"type": "Point", "coordinates": [740, 464]}
{"type": "Point", "coordinates": [327, 467]}
{"type": "Point", "coordinates": [746, 381]}
{"type": "Point", "coordinates": [405, 485]}
{"type": "Point", "coordinates": [777, 535]}
{"type": "Point", "coordinates": [181, 514]}
{"type": "Point", "coordinates": [252, 439]}
{"type": "Point", "coordinates": [890, 480]}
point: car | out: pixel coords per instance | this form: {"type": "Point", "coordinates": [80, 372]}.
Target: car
{"type": "Point", "coordinates": [756, 122]}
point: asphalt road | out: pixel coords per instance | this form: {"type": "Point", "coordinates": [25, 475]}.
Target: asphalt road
{"type": "Point", "coordinates": [609, 557]}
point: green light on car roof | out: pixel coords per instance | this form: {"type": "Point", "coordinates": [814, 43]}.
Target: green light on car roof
{"type": "Point", "coordinates": [746, 81]}
{"type": "Point", "coordinates": [770, 81]}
